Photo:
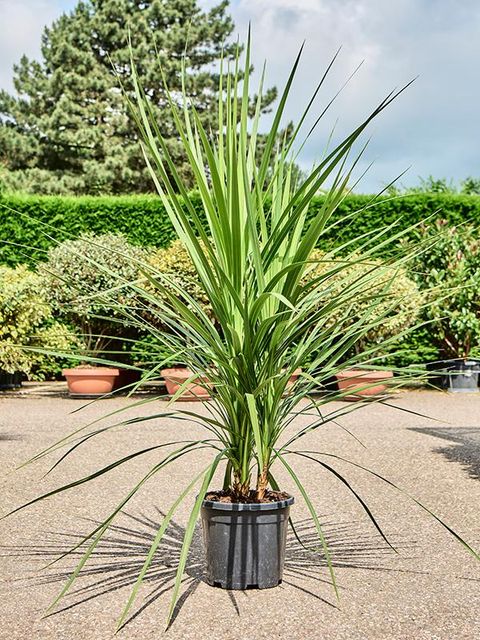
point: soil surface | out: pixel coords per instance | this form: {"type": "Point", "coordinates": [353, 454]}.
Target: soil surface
{"type": "Point", "coordinates": [230, 498]}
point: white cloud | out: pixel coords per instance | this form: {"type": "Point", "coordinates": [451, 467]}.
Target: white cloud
{"type": "Point", "coordinates": [21, 26]}
{"type": "Point", "coordinates": [433, 126]}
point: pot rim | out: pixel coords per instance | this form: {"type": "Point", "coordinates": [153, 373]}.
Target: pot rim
{"type": "Point", "coordinates": [179, 368]}
{"type": "Point", "coordinates": [250, 506]}
{"type": "Point", "coordinates": [464, 359]}
{"type": "Point", "coordinates": [296, 373]}
{"type": "Point", "coordinates": [91, 371]}
{"type": "Point", "coordinates": [376, 374]}
{"type": "Point", "coordinates": [179, 372]}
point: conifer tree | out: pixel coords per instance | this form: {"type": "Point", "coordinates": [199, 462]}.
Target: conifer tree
{"type": "Point", "coordinates": [67, 129]}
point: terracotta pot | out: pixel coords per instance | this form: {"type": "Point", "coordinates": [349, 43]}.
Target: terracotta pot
{"type": "Point", "coordinates": [90, 381]}
{"type": "Point", "coordinates": [175, 377]}
{"type": "Point", "coordinates": [293, 378]}
{"type": "Point", "coordinates": [354, 379]}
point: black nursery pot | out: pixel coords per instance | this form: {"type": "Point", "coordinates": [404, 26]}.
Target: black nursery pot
{"type": "Point", "coordinates": [10, 380]}
{"type": "Point", "coordinates": [245, 543]}
{"type": "Point", "coordinates": [458, 375]}
{"type": "Point", "coordinates": [464, 376]}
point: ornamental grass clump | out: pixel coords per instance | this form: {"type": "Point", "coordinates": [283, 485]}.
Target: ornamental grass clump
{"type": "Point", "coordinates": [251, 249]}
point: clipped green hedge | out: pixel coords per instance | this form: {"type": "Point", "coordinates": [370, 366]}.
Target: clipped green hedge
{"type": "Point", "coordinates": [35, 221]}
{"type": "Point", "coordinates": [29, 220]}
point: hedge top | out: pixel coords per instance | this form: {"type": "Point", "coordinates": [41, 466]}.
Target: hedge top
{"type": "Point", "coordinates": [30, 224]}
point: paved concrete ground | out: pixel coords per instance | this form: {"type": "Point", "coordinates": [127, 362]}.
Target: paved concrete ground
{"type": "Point", "coordinates": [431, 590]}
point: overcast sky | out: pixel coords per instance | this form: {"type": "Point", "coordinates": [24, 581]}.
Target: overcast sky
{"type": "Point", "coordinates": [433, 128]}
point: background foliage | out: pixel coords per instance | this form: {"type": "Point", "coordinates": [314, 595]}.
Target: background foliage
{"type": "Point", "coordinates": [175, 263]}
{"type": "Point", "coordinates": [84, 280]}
{"type": "Point", "coordinates": [67, 129]}
{"type": "Point", "coordinates": [398, 297]}
{"type": "Point", "coordinates": [143, 220]}
{"type": "Point", "coordinates": [450, 275]}
{"type": "Point", "coordinates": [26, 320]}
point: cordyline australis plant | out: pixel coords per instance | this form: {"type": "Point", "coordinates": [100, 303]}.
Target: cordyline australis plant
{"type": "Point", "coordinates": [251, 250]}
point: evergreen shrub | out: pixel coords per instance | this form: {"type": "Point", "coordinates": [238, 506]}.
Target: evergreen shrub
{"type": "Point", "coordinates": [28, 224]}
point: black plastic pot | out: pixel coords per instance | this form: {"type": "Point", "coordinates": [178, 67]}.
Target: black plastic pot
{"type": "Point", "coordinates": [10, 380]}
{"type": "Point", "coordinates": [458, 375]}
{"type": "Point", "coordinates": [464, 376]}
{"type": "Point", "coordinates": [437, 375]}
{"type": "Point", "coordinates": [245, 543]}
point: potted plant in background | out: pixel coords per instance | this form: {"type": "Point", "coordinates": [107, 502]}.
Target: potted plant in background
{"type": "Point", "coordinates": [28, 331]}
{"type": "Point", "coordinates": [398, 304]}
{"type": "Point", "coordinates": [251, 251]}
{"type": "Point", "coordinates": [88, 298]}
{"type": "Point", "coordinates": [149, 351]}
{"type": "Point", "coordinates": [449, 273]}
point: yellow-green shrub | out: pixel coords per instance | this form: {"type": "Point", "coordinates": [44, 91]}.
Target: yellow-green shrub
{"type": "Point", "coordinates": [23, 305]}
{"type": "Point", "coordinates": [175, 263]}
{"type": "Point", "coordinates": [401, 302]}
{"type": "Point", "coordinates": [27, 327]}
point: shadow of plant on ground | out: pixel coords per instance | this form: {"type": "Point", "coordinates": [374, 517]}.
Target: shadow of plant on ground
{"type": "Point", "coordinates": [10, 437]}
{"type": "Point", "coordinates": [119, 557]}
{"type": "Point", "coordinates": [464, 448]}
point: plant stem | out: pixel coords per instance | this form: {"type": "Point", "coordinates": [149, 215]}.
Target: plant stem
{"type": "Point", "coordinates": [241, 489]}
{"type": "Point", "coordinates": [262, 483]}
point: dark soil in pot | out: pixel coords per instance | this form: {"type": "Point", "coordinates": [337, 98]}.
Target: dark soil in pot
{"type": "Point", "coordinates": [228, 497]}
{"type": "Point", "coordinates": [245, 541]}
